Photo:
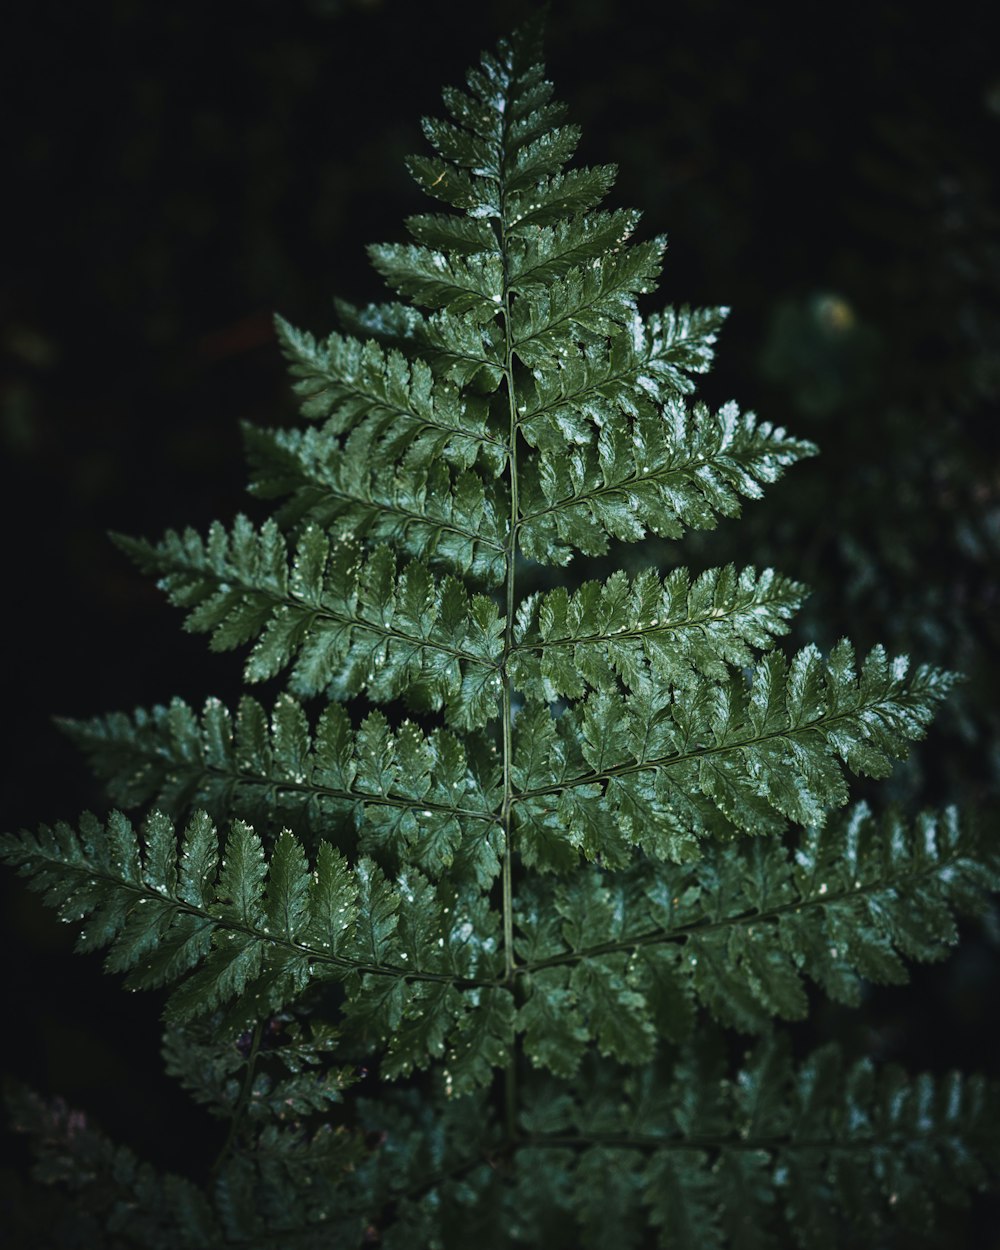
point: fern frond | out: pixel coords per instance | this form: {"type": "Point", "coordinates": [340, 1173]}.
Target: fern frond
{"type": "Point", "coordinates": [547, 252]}
{"type": "Point", "coordinates": [717, 759]}
{"type": "Point", "coordinates": [554, 893]}
{"type": "Point", "coordinates": [449, 520]}
{"type": "Point", "coordinates": [400, 797]}
{"type": "Point", "coordinates": [261, 931]}
{"type": "Point", "coordinates": [818, 1153]}
{"type": "Point", "coordinates": [501, 155]}
{"type": "Point", "coordinates": [239, 926]}
{"type": "Point", "coordinates": [464, 236]}
{"type": "Point", "coordinates": [93, 1181]}
{"type": "Point", "coordinates": [528, 247]}
{"type": "Point", "coordinates": [341, 623]}
{"type": "Point", "coordinates": [274, 1121]}
{"type": "Point", "coordinates": [459, 350]}
{"type": "Point", "coordinates": [468, 285]}
{"type": "Point", "coordinates": [594, 301]}
{"type": "Point", "coordinates": [298, 1078]}
{"type": "Point", "coordinates": [639, 629]}
{"type": "Point", "coordinates": [393, 405]}
{"type": "Point", "coordinates": [598, 384]}
{"type": "Point", "coordinates": [435, 1168]}
{"type": "Point", "coordinates": [588, 304]}
{"type": "Point", "coordinates": [559, 196]}
{"type": "Point", "coordinates": [664, 474]}
{"type": "Point", "coordinates": [738, 931]}
{"type": "Point", "coordinates": [684, 338]}
{"type": "Point", "coordinates": [823, 1152]}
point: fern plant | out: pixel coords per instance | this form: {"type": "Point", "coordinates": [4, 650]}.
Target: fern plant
{"type": "Point", "coordinates": [460, 924]}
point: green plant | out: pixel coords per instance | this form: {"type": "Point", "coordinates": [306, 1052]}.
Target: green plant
{"type": "Point", "coordinates": [588, 839]}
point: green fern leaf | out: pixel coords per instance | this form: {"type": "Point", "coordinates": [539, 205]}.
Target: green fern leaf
{"type": "Point", "coordinates": [257, 930]}
{"type": "Point", "coordinates": [866, 1149]}
{"type": "Point", "coordinates": [390, 405]}
{"type": "Point", "coordinates": [455, 349]}
{"type": "Point", "coordinates": [739, 930]}
{"type": "Point", "coordinates": [341, 624]}
{"type": "Point", "coordinates": [663, 476]}
{"type": "Point", "coordinates": [450, 521]}
{"type": "Point", "coordinates": [575, 827]}
{"type": "Point", "coordinates": [714, 759]}
{"type": "Point", "coordinates": [163, 1212]}
{"type": "Point", "coordinates": [401, 797]}
{"type": "Point", "coordinates": [643, 629]}
{"type": "Point", "coordinates": [629, 376]}
{"type": "Point", "coordinates": [588, 304]}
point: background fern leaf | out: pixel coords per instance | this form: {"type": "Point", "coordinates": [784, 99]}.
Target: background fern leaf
{"type": "Point", "coordinates": [868, 1150]}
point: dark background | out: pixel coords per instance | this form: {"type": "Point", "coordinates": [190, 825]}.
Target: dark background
{"type": "Point", "coordinates": [176, 172]}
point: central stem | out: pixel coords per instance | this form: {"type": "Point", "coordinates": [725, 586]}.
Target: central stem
{"type": "Point", "coordinates": [507, 715]}
{"type": "Point", "coordinates": [510, 553]}
{"type": "Point", "coordinates": [508, 745]}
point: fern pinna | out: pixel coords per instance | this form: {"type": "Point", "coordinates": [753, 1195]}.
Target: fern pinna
{"type": "Point", "coordinates": [522, 846]}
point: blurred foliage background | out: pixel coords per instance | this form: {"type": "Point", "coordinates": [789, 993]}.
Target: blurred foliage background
{"type": "Point", "coordinates": [176, 172]}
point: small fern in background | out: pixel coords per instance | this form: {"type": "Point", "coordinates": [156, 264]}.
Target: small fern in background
{"type": "Point", "coordinates": [525, 849]}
